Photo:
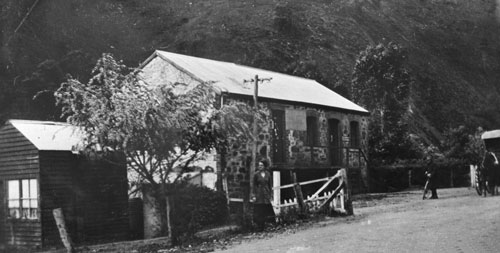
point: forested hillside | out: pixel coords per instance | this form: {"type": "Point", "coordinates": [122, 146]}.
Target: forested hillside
{"type": "Point", "coordinates": [453, 46]}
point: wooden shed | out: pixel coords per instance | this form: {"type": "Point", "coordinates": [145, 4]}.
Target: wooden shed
{"type": "Point", "coordinates": [41, 169]}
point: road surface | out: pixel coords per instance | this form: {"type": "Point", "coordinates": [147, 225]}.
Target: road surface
{"type": "Point", "coordinates": [459, 221]}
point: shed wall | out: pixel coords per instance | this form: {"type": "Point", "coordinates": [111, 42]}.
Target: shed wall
{"type": "Point", "coordinates": [103, 206]}
{"type": "Point", "coordinates": [57, 171]}
{"type": "Point", "coordinates": [18, 160]}
{"type": "Point", "coordinates": [92, 194]}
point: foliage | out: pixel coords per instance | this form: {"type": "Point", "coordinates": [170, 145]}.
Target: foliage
{"type": "Point", "coordinates": [464, 144]}
{"type": "Point", "coordinates": [156, 127]}
{"type": "Point", "coordinates": [450, 172]}
{"type": "Point", "coordinates": [6, 99]}
{"type": "Point", "coordinates": [160, 129]}
{"type": "Point", "coordinates": [197, 207]}
{"type": "Point", "coordinates": [381, 83]}
{"type": "Point", "coordinates": [453, 47]}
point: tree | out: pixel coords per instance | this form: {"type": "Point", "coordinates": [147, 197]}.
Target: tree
{"type": "Point", "coordinates": [464, 145]}
{"type": "Point", "coordinates": [159, 129]}
{"type": "Point", "coordinates": [381, 84]}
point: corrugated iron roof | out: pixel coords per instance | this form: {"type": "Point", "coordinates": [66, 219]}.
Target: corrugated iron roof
{"type": "Point", "coordinates": [49, 135]}
{"type": "Point", "coordinates": [229, 77]}
{"type": "Point", "coordinates": [491, 134]}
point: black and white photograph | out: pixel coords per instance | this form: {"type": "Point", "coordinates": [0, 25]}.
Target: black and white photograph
{"type": "Point", "coordinates": [293, 126]}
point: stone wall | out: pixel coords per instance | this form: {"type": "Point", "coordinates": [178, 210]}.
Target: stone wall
{"type": "Point", "coordinates": [298, 154]}
{"type": "Point", "coordinates": [238, 159]}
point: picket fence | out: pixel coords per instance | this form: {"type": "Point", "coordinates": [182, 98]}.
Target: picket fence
{"type": "Point", "coordinates": [338, 203]}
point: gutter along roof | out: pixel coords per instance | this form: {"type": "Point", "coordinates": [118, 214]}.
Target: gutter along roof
{"type": "Point", "coordinates": [229, 77]}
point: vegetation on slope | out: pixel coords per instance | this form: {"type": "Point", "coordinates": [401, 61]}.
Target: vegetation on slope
{"type": "Point", "coordinates": [453, 46]}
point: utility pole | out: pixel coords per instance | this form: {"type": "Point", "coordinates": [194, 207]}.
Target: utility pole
{"type": "Point", "coordinates": [253, 166]}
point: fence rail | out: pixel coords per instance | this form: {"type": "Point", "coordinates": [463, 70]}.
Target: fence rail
{"type": "Point", "coordinates": [316, 202]}
{"type": "Point", "coordinates": [338, 199]}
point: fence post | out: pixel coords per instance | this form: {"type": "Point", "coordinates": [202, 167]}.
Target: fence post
{"type": "Point", "coordinates": [409, 178]}
{"type": "Point", "coordinates": [347, 193]}
{"type": "Point", "coordinates": [63, 232]}
{"type": "Point", "coordinates": [298, 193]}
{"type": "Point", "coordinates": [472, 174]}
{"type": "Point", "coordinates": [451, 177]}
{"type": "Point", "coordinates": [225, 189]}
{"type": "Point", "coordinates": [276, 192]}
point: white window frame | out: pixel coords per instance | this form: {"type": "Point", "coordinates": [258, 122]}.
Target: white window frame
{"type": "Point", "coordinates": [22, 203]}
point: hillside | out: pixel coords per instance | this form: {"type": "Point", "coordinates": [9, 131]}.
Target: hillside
{"type": "Point", "coordinates": [453, 46]}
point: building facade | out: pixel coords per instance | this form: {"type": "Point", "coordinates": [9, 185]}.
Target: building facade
{"type": "Point", "coordinates": [311, 129]}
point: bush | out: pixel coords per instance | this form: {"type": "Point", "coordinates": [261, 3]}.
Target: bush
{"type": "Point", "coordinates": [197, 207]}
{"type": "Point", "coordinates": [449, 173]}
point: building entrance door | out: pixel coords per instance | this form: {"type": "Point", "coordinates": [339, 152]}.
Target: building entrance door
{"type": "Point", "coordinates": [334, 142]}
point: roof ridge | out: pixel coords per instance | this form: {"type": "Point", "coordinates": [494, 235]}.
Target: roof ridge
{"type": "Point", "coordinates": [239, 65]}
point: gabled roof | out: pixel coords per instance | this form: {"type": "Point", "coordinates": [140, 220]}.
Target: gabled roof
{"type": "Point", "coordinates": [48, 135]}
{"type": "Point", "coordinates": [229, 77]}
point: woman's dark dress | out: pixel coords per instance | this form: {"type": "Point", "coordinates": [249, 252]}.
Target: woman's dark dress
{"type": "Point", "coordinates": [263, 209]}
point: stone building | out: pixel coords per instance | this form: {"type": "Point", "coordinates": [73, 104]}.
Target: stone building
{"type": "Point", "coordinates": [312, 129]}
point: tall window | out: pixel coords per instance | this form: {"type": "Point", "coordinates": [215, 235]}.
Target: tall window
{"type": "Point", "coordinates": [23, 199]}
{"type": "Point", "coordinates": [312, 131]}
{"type": "Point", "coordinates": [354, 132]}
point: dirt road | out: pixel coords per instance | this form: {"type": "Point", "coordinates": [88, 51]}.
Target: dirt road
{"type": "Point", "coordinates": [459, 221]}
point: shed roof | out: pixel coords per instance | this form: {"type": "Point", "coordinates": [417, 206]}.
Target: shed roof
{"type": "Point", "coordinates": [49, 135]}
{"type": "Point", "coordinates": [491, 134]}
{"type": "Point", "coordinates": [229, 77]}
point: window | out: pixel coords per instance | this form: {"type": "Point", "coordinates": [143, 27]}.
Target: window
{"type": "Point", "coordinates": [23, 199]}
{"type": "Point", "coordinates": [354, 133]}
{"type": "Point", "coordinates": [312, 131]}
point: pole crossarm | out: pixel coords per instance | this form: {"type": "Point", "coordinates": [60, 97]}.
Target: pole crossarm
{"type": "Point", "coordinates": [258, 80]}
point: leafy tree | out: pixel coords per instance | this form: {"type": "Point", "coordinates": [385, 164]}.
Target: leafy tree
{"type": "Point", "coordinates": [6, 98]}
{"type": "Point", "coordinates": [160, 129]}
{"type": "Point", "coordinates": [464, 144]}
{"type": "Point", "coordinates": [381, 84]}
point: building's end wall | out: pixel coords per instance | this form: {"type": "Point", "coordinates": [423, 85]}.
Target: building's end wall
{"type": "Point", "coordinates": [92, 193]}
{"type": "Point", "coordinates": [18, 160]}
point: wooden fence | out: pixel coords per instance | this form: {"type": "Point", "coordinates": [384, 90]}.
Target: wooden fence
{"type": "Point", "coordinates": [338, 199]}
{"type": "Point", "coordinates": [322, 200]}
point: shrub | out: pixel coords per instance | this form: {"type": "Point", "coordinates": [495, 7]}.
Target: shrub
{"type": "Point", "coordinates": [450, 173]}
{"type": "Point", "coordinates": [196, 207]}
